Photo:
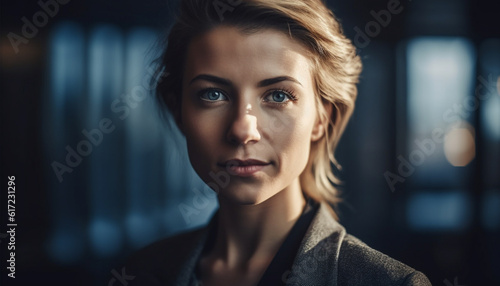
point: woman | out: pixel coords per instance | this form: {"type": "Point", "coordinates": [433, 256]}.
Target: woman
{"type": "Point", "coordinates": [262, 91]}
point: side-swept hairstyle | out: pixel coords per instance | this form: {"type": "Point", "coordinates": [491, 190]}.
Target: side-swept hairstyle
{"type": "Point", "coordinates": [335, 66]}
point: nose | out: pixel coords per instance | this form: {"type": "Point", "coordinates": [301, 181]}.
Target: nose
{"type": "Point", "coordinates": [243, 129]}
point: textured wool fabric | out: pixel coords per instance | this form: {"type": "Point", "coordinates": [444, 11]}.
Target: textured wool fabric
{"type": "Point", "coordinates": [326, 256]}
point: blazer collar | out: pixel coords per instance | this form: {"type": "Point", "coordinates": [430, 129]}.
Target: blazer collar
{"type": "Point", "coordinates": [317, 257]}
{"type": "Point", "coordinates": [316, 260]}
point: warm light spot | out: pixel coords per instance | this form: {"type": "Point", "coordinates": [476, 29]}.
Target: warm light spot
{"type": "Point", "coordinates": [460, 146]}
{"type": "Point", "coordinates": [27, 57]}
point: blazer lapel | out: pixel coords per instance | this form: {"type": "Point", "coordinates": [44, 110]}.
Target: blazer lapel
{"type": "Point", "coordinates": [314, 264]}
{"type": "Point", "coordinates": [317, 256]}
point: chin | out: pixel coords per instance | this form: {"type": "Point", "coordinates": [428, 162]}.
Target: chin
{"type": "Point", "coordinates": [246, 195]}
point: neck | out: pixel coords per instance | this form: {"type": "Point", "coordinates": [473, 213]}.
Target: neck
{"type": "Point", "coordinates": [255, 232]}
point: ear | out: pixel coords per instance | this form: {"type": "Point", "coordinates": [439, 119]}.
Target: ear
{"type": "Point", "coordinates": [321, 122]}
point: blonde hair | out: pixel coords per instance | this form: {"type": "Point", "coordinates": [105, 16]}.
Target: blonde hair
{"type": "Point", "coordinates": [336, 67]}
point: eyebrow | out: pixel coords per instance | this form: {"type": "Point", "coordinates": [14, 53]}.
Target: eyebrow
{"type": "Point", "coordinates": [226, 82]}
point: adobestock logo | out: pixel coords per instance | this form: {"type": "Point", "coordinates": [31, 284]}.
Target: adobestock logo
{"type": "Point", "coordinates": [372, 29]}
{"type": "Point", "coordinates": [121, 107]}
{"type": "Point", "coordinates": [221, 7]}
{"type": "Point", "coordinates": [454, 117]}
{"type": "Point", "coordinates": [40, 19]}
{"type": "Point", "coordinates": [221, 179]}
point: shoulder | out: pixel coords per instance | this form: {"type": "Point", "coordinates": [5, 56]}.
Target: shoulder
{"type": "Point", "coordinates": [330, 256]}
{"type": "Point", "coordinates": [360, 264]}
{"type": "Point", "coordinates": [148, 264]}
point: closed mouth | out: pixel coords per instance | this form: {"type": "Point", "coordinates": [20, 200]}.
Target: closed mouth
{"type": "Point", "coordinates": [241, 163]}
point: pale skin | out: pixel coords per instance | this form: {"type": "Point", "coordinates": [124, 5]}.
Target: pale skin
{"type": "Point", "coordinates": [249, 96]}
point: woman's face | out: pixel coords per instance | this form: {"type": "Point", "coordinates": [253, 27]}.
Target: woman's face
{"type": "Point", "coordinates": [248, 112]}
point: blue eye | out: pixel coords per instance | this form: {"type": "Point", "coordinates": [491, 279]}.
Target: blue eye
{"type": "Point", "coordinates": [212, 95]}
{"type": "Point", "coordinates": [279, 96]}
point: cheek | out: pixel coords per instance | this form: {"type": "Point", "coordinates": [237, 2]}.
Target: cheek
{"type": "Point", "coordinates": [293, 139]}
{"type": "Point", "coordinates": [197, 125]}
{"type": "Point", "coordinates": [300, 134]}
{"type": "Point", "coordinates": [202, 133]}
{"type": "Point", "coordinates": [196, 130]}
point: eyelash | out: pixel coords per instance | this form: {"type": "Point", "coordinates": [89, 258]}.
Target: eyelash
{"type": "Point", "coordinates": [290, 93]}
{"type": "Point", "coordinates": [201, 92]}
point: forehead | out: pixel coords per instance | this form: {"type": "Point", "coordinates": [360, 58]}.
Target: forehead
{"type": "Point", "coordinates": [230, 53]}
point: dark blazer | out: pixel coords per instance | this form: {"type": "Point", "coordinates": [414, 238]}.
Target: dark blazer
{"type": "Point", "coordinates": [326, 256]}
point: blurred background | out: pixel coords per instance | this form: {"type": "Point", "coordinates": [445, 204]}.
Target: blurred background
{"type": "Point", "coordinates": [99, 174]}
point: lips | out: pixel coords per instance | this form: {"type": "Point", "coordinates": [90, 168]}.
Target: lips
{"type": "Point", "coordinates": [244, 168]}
{"type": "Point", "coordinates": [248, 162]}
